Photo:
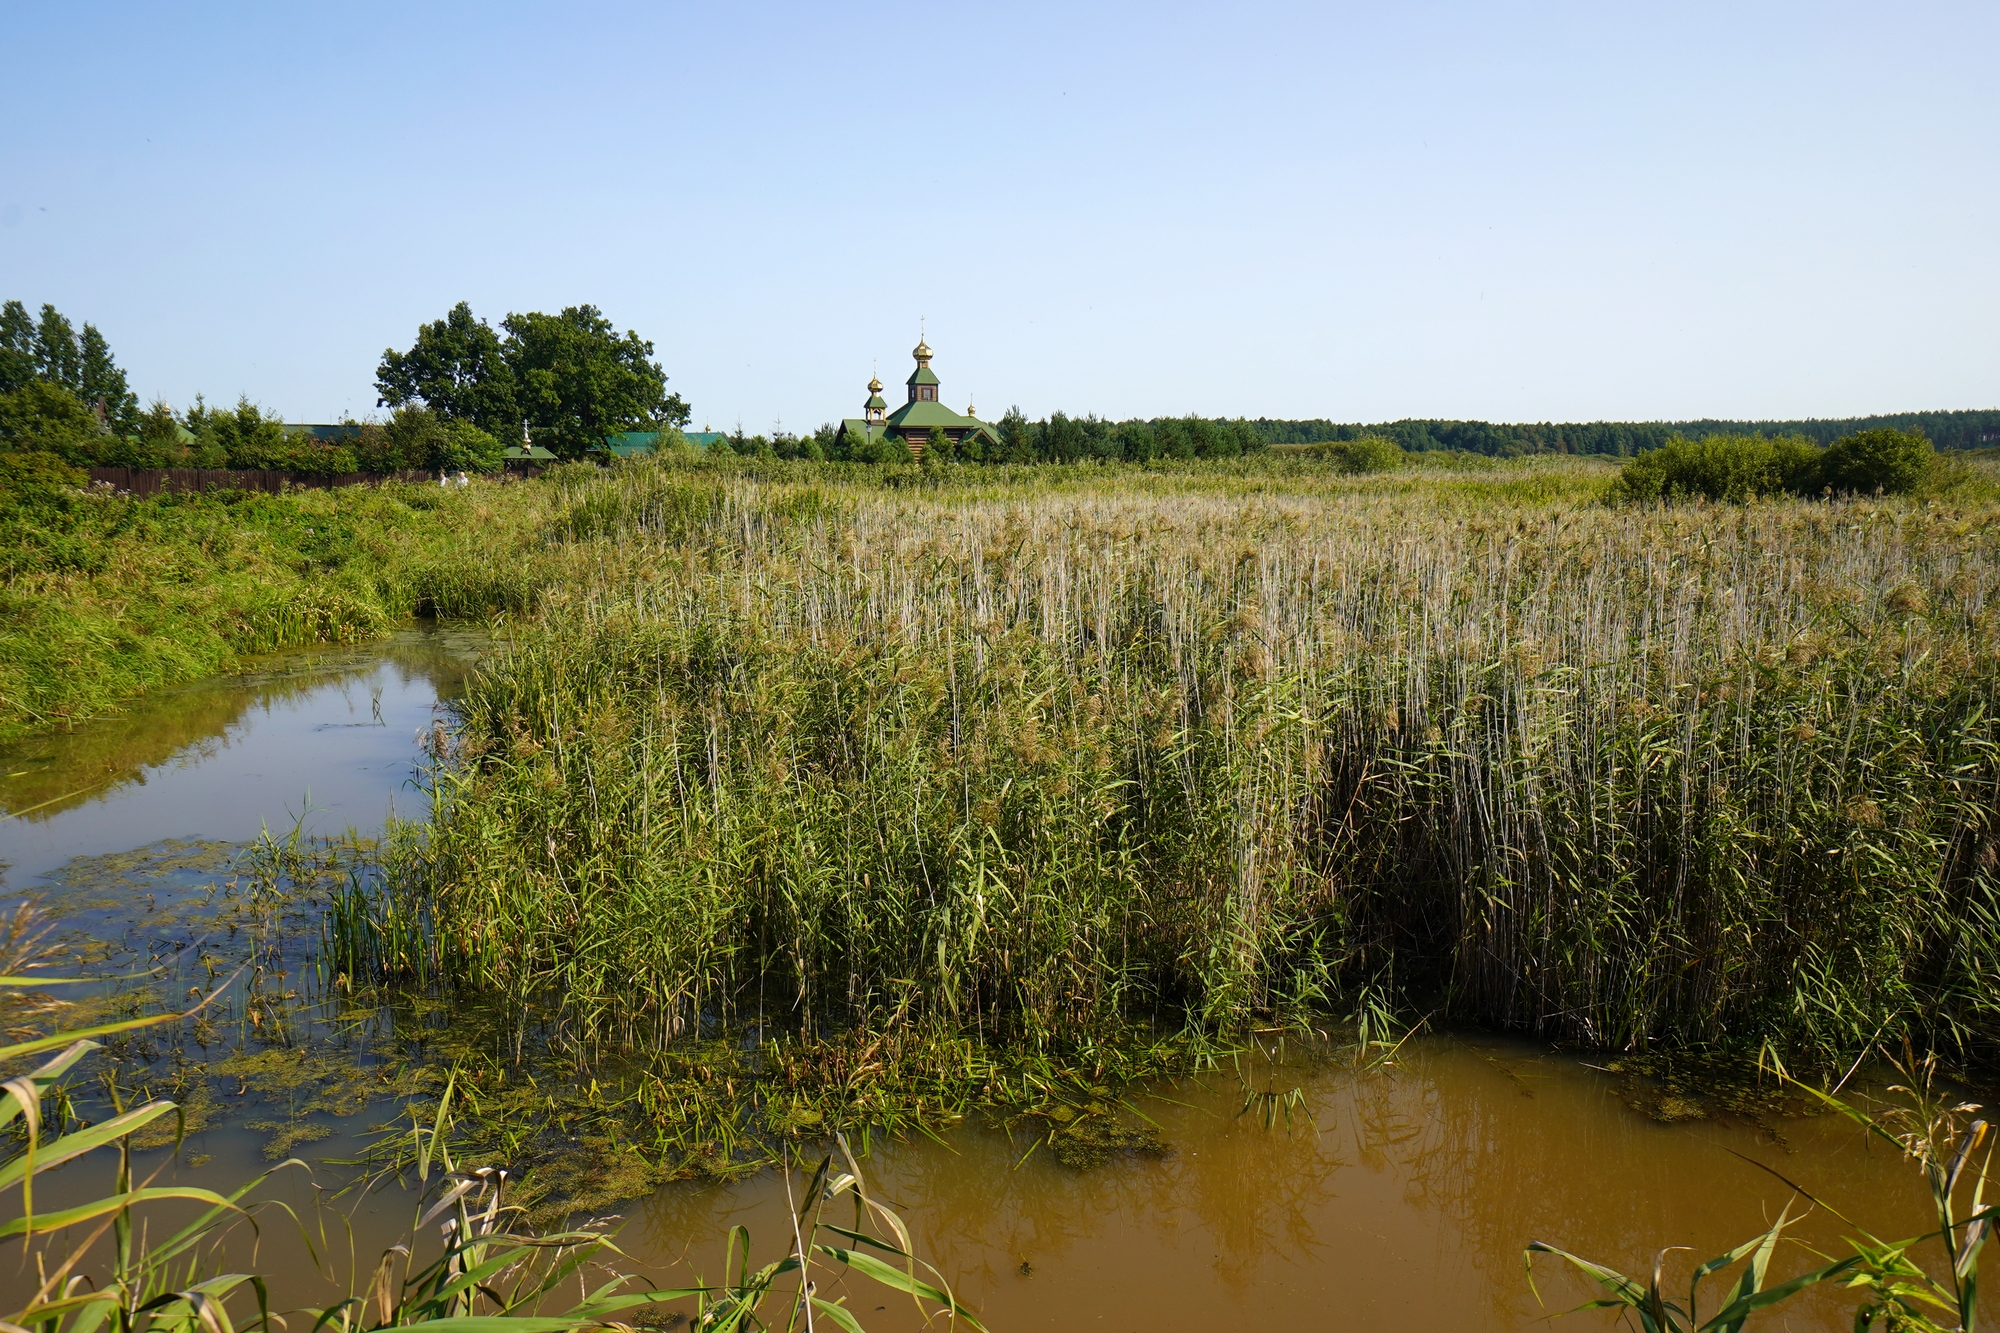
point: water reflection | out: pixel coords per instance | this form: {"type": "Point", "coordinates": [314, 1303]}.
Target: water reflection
{"type": "Point", "coordinates": [226, 757]}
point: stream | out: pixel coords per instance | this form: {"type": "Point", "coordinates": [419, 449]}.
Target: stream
{"type": "Point", "coordinates": [1397, 1196]}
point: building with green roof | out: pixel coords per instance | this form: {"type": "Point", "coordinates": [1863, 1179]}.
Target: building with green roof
{"type": "Point", "coordinates": [914, 421]}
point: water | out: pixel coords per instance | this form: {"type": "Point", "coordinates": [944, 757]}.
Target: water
{"type": "Point", "coordinates": [1398, 1197]}
{"type": "Point", "coordinates": [327, 734]}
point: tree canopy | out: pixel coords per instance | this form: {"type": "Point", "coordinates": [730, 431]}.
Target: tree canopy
{"type": "Point", "coordinates": [51, 350]}
{"type": "Point", "coordinates": [569, 379]}
{"type": "Point", "coordinates": [457, 368]}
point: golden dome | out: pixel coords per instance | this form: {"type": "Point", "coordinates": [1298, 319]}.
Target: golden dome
{"type": "Point", "coordinates": [922, 351]}
{"type": "Point", "coordinates": [874, 384]}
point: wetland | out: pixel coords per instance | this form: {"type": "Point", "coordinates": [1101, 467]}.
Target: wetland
{"type": "Point", "coordinates": [1198, 897]}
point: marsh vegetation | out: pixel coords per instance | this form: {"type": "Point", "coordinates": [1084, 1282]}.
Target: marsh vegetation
{"type": "Point", "coordinates": [1040, 758]}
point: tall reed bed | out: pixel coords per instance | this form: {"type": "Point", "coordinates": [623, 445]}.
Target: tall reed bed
{"type": "Point", "coordinates": [1218, 751]}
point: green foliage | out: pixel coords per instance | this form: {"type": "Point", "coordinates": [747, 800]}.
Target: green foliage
{"type": "Point", "coordinates": [1889, 462]}
{"type": "Point", "coordinates": [17, 346]}
{"type": "Point", "coordinates": [578, 381]}
{"type": "Point", "coordinates": [1738, 467]}
{"type": "Point", "coordinates": [43, 417]}
{"type": "Point", "coordinates": [1949, 430]}
{"type": "Point", "coordinates": [103, 596]}
{"type": "Point", "coordinates": [421, 439]}
{"type": "Point", "coordinates": [1363, 456]}
{"type": "Point", "coordinates": [570, 379]}
{"type": "Point", "coordinates": [52, 351]}
{"type": "Point", "coordinates": [459, 370]}
{"type": "Point", "coordinates": [939, 448]}
{"type": "Point", "coordinates": [1719, 467]}
{"type": "Point", "coordinates": [33, 485]}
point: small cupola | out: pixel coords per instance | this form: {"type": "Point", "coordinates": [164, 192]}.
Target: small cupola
{"type": "Point", "coordinates": [875, 407]}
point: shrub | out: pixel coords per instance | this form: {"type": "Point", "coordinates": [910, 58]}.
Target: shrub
{"type": "Point", "coordinates": [30, 479]}
{"type": "Point", "coordinates": [1369, 454]}
{"type": "Point", "coordinates": [418, 439]}
{"type": "Point", "coordinates": [47, 418]}
{"type": "Point", "coordinates": [1719, 467]}
{"type": "Point", "coordinates": [1892, 461]}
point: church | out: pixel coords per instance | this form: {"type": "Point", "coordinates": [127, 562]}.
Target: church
{"type": "Point", "coordinates": [923, 413]}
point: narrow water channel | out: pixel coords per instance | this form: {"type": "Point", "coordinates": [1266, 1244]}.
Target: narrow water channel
{"type": "Point", "coordinates": [1397, 1197]}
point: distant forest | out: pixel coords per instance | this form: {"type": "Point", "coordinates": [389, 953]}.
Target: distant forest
{"type": "Point", "coordinates": [1947, 430]}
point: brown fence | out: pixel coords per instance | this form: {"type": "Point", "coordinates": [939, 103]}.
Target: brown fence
{"type": "Point", "coordinates": [153, 480]}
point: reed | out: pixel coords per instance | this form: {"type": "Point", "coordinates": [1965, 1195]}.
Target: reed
{"type": "Point", "coordinates": [1040, 755]}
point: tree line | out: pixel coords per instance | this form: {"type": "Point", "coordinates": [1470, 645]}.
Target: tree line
{"type": "Point", "coordinates": [461, 394]}
{"type": "Point", "coordinates": [1945, 430]}
{"type": "Point", "coordinates": [1057, 438]}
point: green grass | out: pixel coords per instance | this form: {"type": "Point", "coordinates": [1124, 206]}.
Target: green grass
{"type": "Point", "coordinates": [102, 596]}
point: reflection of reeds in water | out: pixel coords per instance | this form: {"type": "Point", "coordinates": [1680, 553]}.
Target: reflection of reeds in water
{"type": "Point", "coordinates": [45, 775]}
{"type": "Point", "coordinates": [1041, 758]}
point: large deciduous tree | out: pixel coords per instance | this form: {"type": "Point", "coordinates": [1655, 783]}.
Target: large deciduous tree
{"type": "Point", "coordinates": [459, 370]}
{"type": "Point", "coordinates": [570, 379]}
{"type": "Point", "coordinates": [579, 381]}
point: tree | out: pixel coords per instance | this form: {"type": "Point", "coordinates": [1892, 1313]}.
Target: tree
{"type": "Point", "coordinates": [101, 381]}
{"type": "Point", "coordinates": [577, 381]}
{"type": "Point", "coordinates": [50, 350]}
{"type": "Point", "coordinates": [245, 438]}
{"type": "Point", "coordinates": [1017, 438]}
{"type": "Point", "coordinates": [17, 346]}
{"type": "Point", "coordinates": [458, 368]}
{"type": "Point", "coordinates": [939, 449]}
{"type": "Point", "coordinates": [57, 358]}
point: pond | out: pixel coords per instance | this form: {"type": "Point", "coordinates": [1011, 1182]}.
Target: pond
{"type": "Point", "coordinates": [1394, 1196]}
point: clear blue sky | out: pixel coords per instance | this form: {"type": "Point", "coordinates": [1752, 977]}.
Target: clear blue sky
{"type": "Point", "coordinates": [1368, 211]}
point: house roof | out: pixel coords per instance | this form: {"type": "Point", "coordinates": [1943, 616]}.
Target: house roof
{"type": "Point", "coordinates": [527, 453]}
{"type": "Point", "coordinates": [626, 443]}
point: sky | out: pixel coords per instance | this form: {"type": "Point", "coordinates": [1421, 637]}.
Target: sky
{"type": "Point", "coordinates": [1509, 212]}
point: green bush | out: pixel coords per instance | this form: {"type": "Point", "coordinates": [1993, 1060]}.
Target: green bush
{"type": "Point", "coordinates": [1369, 454]}
{"type": "Point", "coordinates": [417, 439]}
{"type": "Point", "coordinates": [32, 480]}
{"type": "Point", "coordinates": [47, 418]}
{"type": "Point", "coordinates": [1891, 461]}
{"type": "Point", "coordinates": [1720, 467]}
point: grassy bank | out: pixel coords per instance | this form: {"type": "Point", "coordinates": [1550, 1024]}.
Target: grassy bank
{"type": "Point", "coordinates": [1039, 754]}
{"type": "Point", "coordinates": [104, 596]}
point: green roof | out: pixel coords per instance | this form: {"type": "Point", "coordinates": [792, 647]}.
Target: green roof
{"type": "Point", "coordinates": [923, 415]}
{"type": "Point", "coordinates": [627, 443]}
{"type": "Point", "coordinates": [922, 375]}
{"type": "Point", "coordinates": [528, 453]}
{"type": "Point", "coordinates": [875, 400]}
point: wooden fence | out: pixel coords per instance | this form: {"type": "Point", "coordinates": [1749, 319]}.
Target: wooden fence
{"type": "Point", "coordinates": [153, 480]}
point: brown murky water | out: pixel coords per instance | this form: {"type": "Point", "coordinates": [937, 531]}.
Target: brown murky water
{"type": "Point", "coordinates": [1400, 1200]}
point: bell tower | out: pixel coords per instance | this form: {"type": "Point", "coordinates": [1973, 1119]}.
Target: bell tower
{"type": "Point", "coordinates": [923, 382]}
{"type": "Point", "coordinates": [875, 409]}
